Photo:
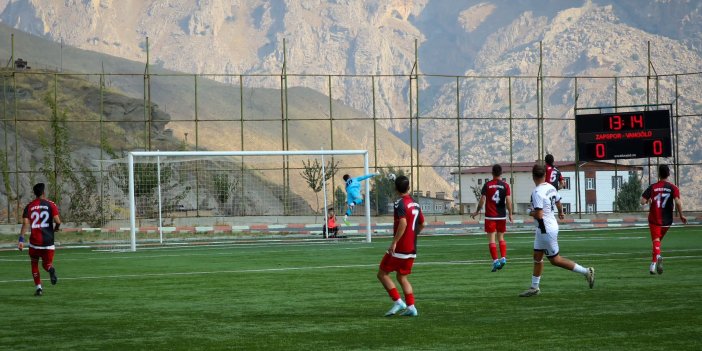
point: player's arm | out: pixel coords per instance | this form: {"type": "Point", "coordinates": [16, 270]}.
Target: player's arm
{"type": "Point", "coordinates": [678, 207]}
{"type": "Point", "coordinates": [509, 207]}
{"type": "Point", "coordinates": [57, 222]}
{"type": "Point", "coordinates": [646, 196]}
{"type": "Point", "coordinates": [364, 177]}
{"type": "Point", "coordinates": [401, 226]}
{"type": "Point", "coordinates": [479, 207]}
{"type": "Point", "coordinates": [23, 230]}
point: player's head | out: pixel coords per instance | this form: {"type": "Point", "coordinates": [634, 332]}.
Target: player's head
{"type": "Point", "coordinates": [402, 184]}
{"type": "Point", "coordinates": [346, 177]}
{"type": "Point", "coordinates": [496, 170]}
{"type": "Point", "coordinates": [330, 210]}
{"type": "Point", "coordinates": [538, 172]}
{"type": "Point", "coordinates": [663, 171]}
{"type": "Point", "coordinates": [39, 189]}
{"type": "Point", "coordinates": [549, 160]}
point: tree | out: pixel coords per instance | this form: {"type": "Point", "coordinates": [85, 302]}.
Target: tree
{"type": "Point", "coordinates": [630, 195]}
{"type": "Point", "coordinates": [339, 199]}
{"type": "Point", "coordinates": [224, 187]}
{"type": "Point", "coordinates": [383, 189]}
{"type": "Point", "coordinates": [312, 173]}
{"type": "Point", "coordinates": [60, 169]}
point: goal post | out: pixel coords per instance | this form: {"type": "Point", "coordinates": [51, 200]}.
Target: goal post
{"type": "Point", "coordinates": [181, 177]}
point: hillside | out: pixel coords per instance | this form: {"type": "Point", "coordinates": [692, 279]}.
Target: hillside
{"type": "Point", "coordinates": [583, 38]}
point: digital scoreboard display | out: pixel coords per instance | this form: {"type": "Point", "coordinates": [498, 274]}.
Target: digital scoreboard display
{"type": "Point", "coordinates": [622, 135]}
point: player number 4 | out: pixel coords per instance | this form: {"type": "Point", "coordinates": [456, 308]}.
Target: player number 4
{"type": "Point", "coordinates": [496, 197]}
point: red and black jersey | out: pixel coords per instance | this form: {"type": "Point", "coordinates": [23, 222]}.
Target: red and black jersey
{"type": "Point", "coordinates": [496, 192]}
{"type": "Point", "coordinates": [553, 176]}
{"type": "Point", "coordinates": [40, 214]}
{"type": "Point", "coordinates": [662, 195]}
{"type": "Point", "coordinates": [407, 208]}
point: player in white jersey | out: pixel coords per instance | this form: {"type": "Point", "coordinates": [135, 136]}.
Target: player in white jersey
{"type": "Point", "coordinates": [544, 203]}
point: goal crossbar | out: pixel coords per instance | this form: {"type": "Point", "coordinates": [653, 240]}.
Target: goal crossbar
{"type": "Point", "coordinates": [135, 154]}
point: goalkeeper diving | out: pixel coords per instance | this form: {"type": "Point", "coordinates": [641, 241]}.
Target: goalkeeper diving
{"type": "Point", "coordinates": [353, 192]}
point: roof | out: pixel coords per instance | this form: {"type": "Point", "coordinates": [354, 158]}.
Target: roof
{"type": "Point", "coordinates": [525, 167]}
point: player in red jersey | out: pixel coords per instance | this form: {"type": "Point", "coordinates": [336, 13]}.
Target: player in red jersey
{"type": "Point", "coordinates": [661, 196]}
{"type": "Point", "coordinates": [497, 198]}
{"type": "Point", "coordinates": [44, 217]}
{"type": "Point", "coordinates": [553, 175]}
{"type": "Point", "coordinates": [408, 223]}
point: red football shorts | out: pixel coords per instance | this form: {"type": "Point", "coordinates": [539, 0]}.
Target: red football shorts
{"type": "Point", "coordinates": [657, 232]}
{"type": "Point", "coordinates": [495, 225]}
{"type": "Point", "coordinates": [47, 256]}
{"type": "Point", "coordinates": [394, 264]}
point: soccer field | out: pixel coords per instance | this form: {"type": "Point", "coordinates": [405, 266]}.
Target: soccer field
{"type": "Point", "coordinates": [325, 296]}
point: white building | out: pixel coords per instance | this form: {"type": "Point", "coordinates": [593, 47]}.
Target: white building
{"type": "Point", "coordinates": [598, 184]}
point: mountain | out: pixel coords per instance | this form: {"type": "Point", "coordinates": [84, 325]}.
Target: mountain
{"type": "Point", "coordinates": [491, 38]}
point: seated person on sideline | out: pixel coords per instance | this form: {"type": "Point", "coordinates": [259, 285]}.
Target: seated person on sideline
{"type": "Point", "coordinates": [331, 224]}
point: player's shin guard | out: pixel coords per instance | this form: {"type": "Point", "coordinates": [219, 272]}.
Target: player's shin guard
{"type": "Point", "coordinates": [656, 251]}
{"type": "Point", "coordinates": [409, 299]}
{"type": "Point", "coordinates": [35, 272]}
{"type": "Point", "coordinates": [503, 248]}
{"type": "Point", "coordinates": [394, 294]}
{"type": "Point", "coordinates": [493, 251]}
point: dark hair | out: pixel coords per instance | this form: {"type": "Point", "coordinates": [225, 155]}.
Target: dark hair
{"type": "Point", "coordinates": [663, 171]}
{"type": "Point", "coordinates": [346, 177]}
{"type": "Point", "coordinates": [549, 159]}
{"type": "Point", "coordinates": [402, 184]}
{"type": "Point", "coordinates": [538, 171]}
{"type": "Point", "coordinates": [496, 170]}
{"type": "Point", "coordinates": [39, 189]}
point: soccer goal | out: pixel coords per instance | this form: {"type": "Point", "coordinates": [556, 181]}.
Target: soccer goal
{"type": "Point", "coordinates": [177, 197]}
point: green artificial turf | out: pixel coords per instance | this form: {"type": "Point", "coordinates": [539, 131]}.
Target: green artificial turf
{"type": "Point", "coordinates": [312, 296]}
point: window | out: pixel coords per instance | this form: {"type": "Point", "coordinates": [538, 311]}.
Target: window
{"type": "Point", "coordinates": [591, 208]}
{"type": "Point", "coordinates": [566, 183]}
{"type": "Point", "coordinates": [480, 181]}
{"type": "Point", "coordinates": [566, 207]}
{"type": "Point", "coordinates": [589, 183]}
{"type": "Point", "coordinates": [617, 182]}
{"type": "Point", "coordinates": [438, 207]}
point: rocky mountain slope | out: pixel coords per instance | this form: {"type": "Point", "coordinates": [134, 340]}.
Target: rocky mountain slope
{"type": "Point", "coordinates": [487, 38]}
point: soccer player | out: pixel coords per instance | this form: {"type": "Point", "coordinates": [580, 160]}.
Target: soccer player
{"type": "Point", "coordinates": [353, 192]}
{"type": "Point", "coordinates": [408, 223]}
{"type": "Point", "coordinates": [45, 221]}
{"type": "Point", "coordinates": [553, 175]}
{"type": "Point", "coordinates": [497, 198]}
{"type": "Point", "coordinates": [544, 200]}
{"type": "Point", "coordinates": [660, 215]}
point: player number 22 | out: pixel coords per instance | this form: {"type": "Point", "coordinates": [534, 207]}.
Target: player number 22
{"type": "Point", "coordinates": [664, 196]}
{"type": "Point", "coordinates": [43, 216]}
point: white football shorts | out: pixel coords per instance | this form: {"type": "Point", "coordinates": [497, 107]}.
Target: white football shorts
{"type": "Point", "coordinates": [548, 243]}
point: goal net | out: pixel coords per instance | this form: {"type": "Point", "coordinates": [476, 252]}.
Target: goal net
{"type": "Point", "coordinates": [205, 197]}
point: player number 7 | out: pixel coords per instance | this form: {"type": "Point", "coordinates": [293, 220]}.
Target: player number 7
{"type": "Point", "coordinates": [415, 214]}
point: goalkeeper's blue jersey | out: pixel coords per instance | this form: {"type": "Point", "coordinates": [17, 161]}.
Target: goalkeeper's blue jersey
{"type": "Point", "coordinates": [353, 188]}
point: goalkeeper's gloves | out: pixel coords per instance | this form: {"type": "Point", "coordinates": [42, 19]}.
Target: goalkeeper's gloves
{"type": "Point", "coordinates": [20, 243]}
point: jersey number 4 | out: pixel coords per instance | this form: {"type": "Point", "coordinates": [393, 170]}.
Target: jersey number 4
{"type": "Point", "coordinates": [496, 197]}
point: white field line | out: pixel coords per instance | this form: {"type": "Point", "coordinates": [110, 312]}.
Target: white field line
{"type": "Point", "coordinates": [310, 268]}
{"type": "Point", "coordinates": [205, 250]}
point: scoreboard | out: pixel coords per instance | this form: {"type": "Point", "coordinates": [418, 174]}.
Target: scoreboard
{"type": "Point", "coordinates": [622, 135]}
